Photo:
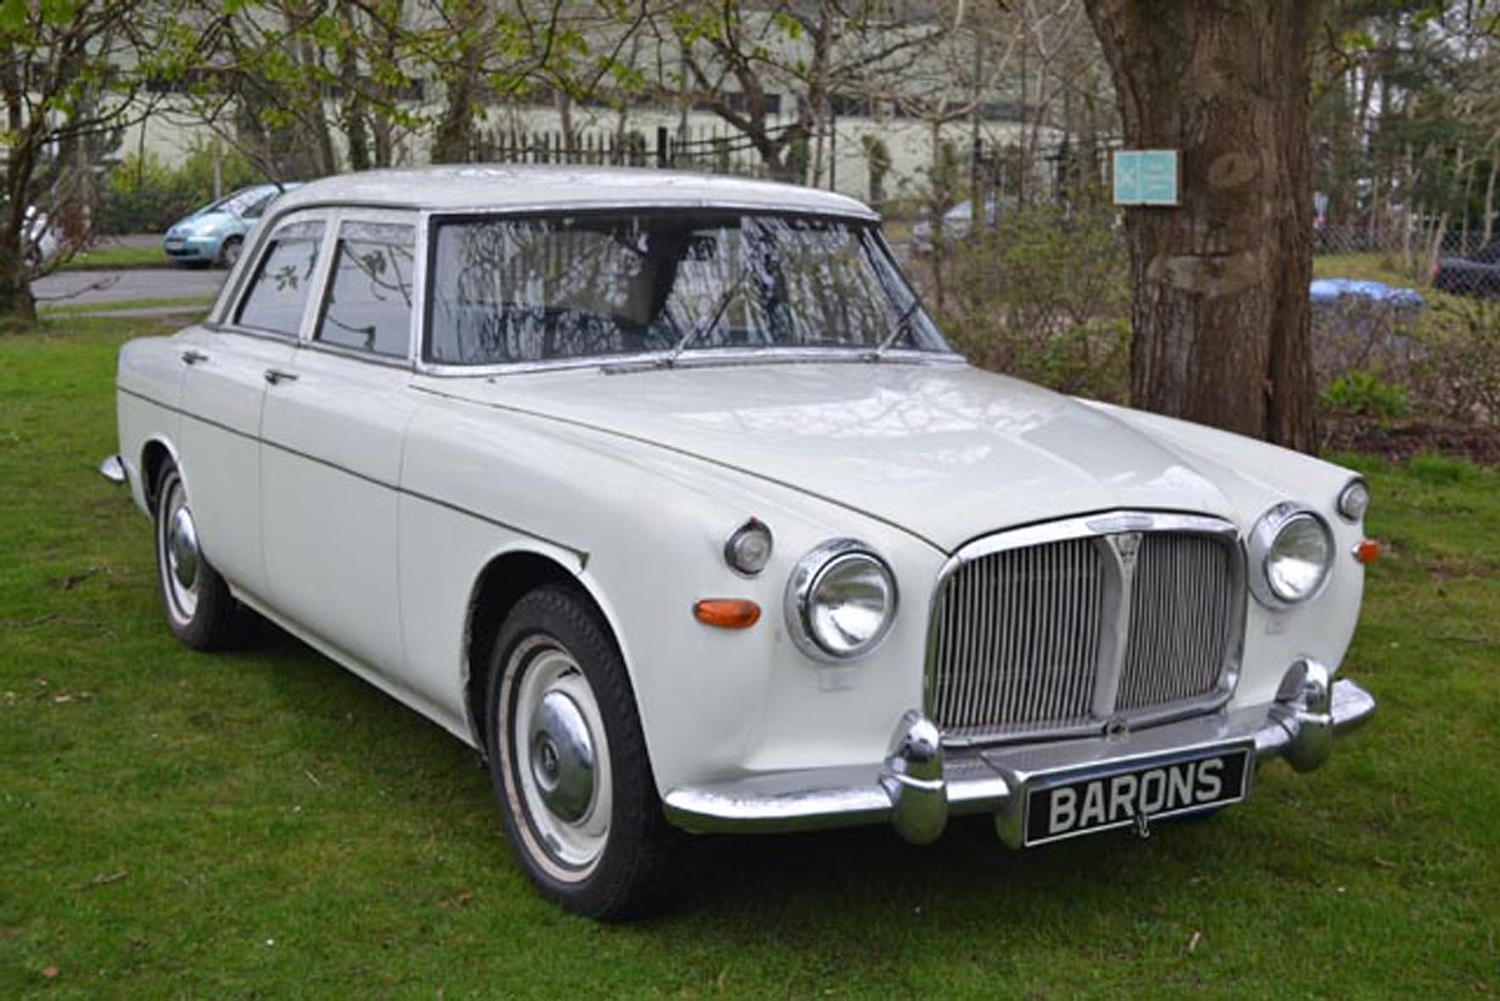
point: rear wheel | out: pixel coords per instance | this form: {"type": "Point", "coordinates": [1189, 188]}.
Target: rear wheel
{"type": "Point", "coordinates": [200, 610]}
{"type": "Point", "coordinates": [229, 253]}
{"type": "Point", "coordinates": [568, 761]}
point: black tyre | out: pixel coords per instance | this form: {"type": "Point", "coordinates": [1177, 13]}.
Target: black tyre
{"type": "Point", "coordinates": [200, 609]}
{"type": "Point", "coordinates": [229, 251]}
{"type": "Point", "coordinates": [569, 764]}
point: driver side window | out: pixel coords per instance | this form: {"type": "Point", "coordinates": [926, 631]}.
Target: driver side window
{"type": "Point", "coordinates": [369, 302]}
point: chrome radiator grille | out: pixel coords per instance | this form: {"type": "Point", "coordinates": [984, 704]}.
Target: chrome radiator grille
{"type": "Point", "coordinates": [1065, 636]}
{"type": "Point", "coordinates": [1181, 622]}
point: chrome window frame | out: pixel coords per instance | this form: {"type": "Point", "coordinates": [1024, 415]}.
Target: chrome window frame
{"type": "Point", "coordinates": [225, 315]}
{"type": "Point", "coordinates": [1100, 526]}
{"type": "Point", "coordinates": [361, 214]}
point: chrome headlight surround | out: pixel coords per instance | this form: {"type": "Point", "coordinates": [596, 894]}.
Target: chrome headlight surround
{"type": "Point", "coordinates": [808, 617]}
{"type": "Point", "coordinates": [1278, 535]}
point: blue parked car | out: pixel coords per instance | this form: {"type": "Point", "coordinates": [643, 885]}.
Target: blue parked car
{"type": "Point", "coordinates": [215, 233]}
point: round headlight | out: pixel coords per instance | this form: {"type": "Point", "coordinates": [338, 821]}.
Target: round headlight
{"type": "Point", "coordinates": [1354, 500]}
{"type": "Point", "coordinates": [841, 601]}
{"type": "Point", "coordinates": [1291, 554]}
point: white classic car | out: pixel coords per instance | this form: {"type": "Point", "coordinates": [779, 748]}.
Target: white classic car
{"type": "Point", "coordinates": [665, 493]}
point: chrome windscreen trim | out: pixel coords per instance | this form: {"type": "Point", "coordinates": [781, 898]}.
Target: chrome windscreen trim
{"type": "Point", "coordinates": [654, 360]}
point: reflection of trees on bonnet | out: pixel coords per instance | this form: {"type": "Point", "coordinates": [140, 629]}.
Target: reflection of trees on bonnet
{"type": "Point", "coordinates": [527, 290]}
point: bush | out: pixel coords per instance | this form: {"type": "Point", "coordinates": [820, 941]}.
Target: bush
{"type": "Point", "coordinates": [1044, 297]}
{"type": "Point", "coordinates": [1364, 394]}
{"type": "Point", "coordinates": [1359, 334]}
{"type": "Point", "coordinates": [144, 195]}
{"type": "Point", "coordinates": [1458, 373]}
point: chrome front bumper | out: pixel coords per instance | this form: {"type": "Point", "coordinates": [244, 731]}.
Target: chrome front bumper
{"type": "Point", "coordinates": [921, 784]}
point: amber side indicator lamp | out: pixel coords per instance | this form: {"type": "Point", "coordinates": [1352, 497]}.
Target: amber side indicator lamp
{"type": "Point", "coordinates": [727, 613]}
{"type": "Point", "coordinates": [1366, 551]}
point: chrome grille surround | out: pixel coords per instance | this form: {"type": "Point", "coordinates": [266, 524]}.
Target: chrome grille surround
{"type": "Point", "coordinates": [1119, 620]}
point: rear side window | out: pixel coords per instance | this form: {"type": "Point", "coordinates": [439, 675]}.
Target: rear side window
{"type": "Point", "coordinates": [369, 302]}
{"type": "Point", "coordinates": [279, 290]}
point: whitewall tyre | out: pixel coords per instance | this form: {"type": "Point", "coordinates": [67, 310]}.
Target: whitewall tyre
{"type": "Point", "coordinates": [200, 610]}
{"type": "Point", "coordinates": [568, 761]}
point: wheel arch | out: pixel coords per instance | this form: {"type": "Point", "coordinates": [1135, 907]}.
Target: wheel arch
{"type": "Point", "coordinates": [155, 454]}
{"type": "Point", "coordinates": [503, 581]}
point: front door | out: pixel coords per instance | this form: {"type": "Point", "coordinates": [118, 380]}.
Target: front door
{"type": "Point", "coordinates": [332, 435]}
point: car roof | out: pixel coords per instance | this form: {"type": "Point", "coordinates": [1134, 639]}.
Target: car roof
{"type": "Point", "coordinates": [520, 188]}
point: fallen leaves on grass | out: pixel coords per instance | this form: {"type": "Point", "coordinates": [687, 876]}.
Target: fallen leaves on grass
{"type": "Point", "coordinates": [73, 580]}
{"type": "Point", "coordinates": [103, 879]}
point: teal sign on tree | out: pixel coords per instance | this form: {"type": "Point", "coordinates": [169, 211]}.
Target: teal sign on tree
{"type": "Point", "coordinates": [1145, 177]}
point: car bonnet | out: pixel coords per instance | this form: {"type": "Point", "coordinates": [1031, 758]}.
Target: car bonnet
{"type": "Point", "coordinates": [946, 452]}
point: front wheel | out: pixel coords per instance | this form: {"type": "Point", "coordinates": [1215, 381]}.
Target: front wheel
{"type": "Point", "coordinates": [568, 761]}
{"type": "Point", "coordinates": [200, 610]}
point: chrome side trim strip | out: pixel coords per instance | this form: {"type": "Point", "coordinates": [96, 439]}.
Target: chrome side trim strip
{"type": "Point", "coordinates": [581, 554]}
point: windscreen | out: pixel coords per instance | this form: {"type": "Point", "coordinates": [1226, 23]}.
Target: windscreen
{"type": "Point", "coordinates": [512, 290]}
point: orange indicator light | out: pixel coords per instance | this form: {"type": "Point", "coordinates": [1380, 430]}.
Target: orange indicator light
{"type": "Point", "coordinates": [1366, 551]}
{"type": "Point", "coordinates": [727, 613]}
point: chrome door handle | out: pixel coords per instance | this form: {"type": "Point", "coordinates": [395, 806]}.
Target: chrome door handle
{"type": "Point", "coordinates": [191, 357]}
{"type": "Point", "coordinates": [276, 376]}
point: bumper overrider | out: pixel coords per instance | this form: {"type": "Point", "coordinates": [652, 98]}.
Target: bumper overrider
{"type": "Point", "coordinates": [921, 783]}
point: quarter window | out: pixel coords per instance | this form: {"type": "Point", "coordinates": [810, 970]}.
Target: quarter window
{"type": "Point", "coordinates": [278, 293]}
{"type": "Point", "coordinates": [369, 302]}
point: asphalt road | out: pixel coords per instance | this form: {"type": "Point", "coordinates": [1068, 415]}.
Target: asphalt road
{"type": "Point", "coordinates": [82, 288]}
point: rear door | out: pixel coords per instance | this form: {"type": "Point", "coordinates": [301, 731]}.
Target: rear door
{"type": "Point", "coordinates": [223, 391]}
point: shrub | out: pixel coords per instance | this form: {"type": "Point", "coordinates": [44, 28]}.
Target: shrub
{"type": "Point", "coordinates": [1045, 297]}
{"type": "Point", "coordinates": [1364, 394]}
{"type": "Point", "coordinates": [144, 195]}
{"type": "Point", "coordinates": [1458, 373]}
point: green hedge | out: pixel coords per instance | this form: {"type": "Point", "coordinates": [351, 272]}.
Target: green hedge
{"type": "Point", "coordinates": [144, 195]}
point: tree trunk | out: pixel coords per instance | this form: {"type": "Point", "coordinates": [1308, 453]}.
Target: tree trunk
{"type": "Point", "coordinates": [454, 140]}
{"type": "Point", "coordinates": [1489, 199]}
{"type": "Point", "coordinates": [1220, 309]}
{"type": "Point", "coordinates": [352, 113]}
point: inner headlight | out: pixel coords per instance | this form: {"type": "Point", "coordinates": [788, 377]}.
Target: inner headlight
{"type": "Point", "coordinates": [1291, 552]}
{"type": "Point", "coordinates": [840, 601]}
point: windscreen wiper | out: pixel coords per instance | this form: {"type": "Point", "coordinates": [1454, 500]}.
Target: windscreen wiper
{"type": "Point", "coordinates": [712, 324]}
{"type": "Point", "coordinates": [903, 327]}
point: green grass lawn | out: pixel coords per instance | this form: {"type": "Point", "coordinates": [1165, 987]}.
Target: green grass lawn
{"type": "Point", "coordinates": [264, 825]}
{"type": "Point", "coordinates": [186, 303]}
{"type": "Point", "coordinates": [1374, 267]}
{"type": "Point", "coordinates": [116, 256]}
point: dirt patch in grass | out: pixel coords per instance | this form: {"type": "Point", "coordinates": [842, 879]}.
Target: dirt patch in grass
{"type": "Point", "coordinates": [1398, 442]}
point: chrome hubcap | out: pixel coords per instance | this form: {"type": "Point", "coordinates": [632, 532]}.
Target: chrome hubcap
{"type": "Point", "coordinates": [178, 553]}
{"type": "Point", "coordinates": [562, 757]}
{"type": "Point", "coordinates": [559, 758]}
{"type": "Point", "coordinates": [182, 548]}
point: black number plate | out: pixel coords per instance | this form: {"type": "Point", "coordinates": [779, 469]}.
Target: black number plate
{"type": "Point", "coordinates": [1066, 806]}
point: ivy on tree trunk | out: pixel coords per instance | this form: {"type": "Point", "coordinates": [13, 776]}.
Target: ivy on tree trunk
{"type": "Point", "coordinates": [1220, 310]}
